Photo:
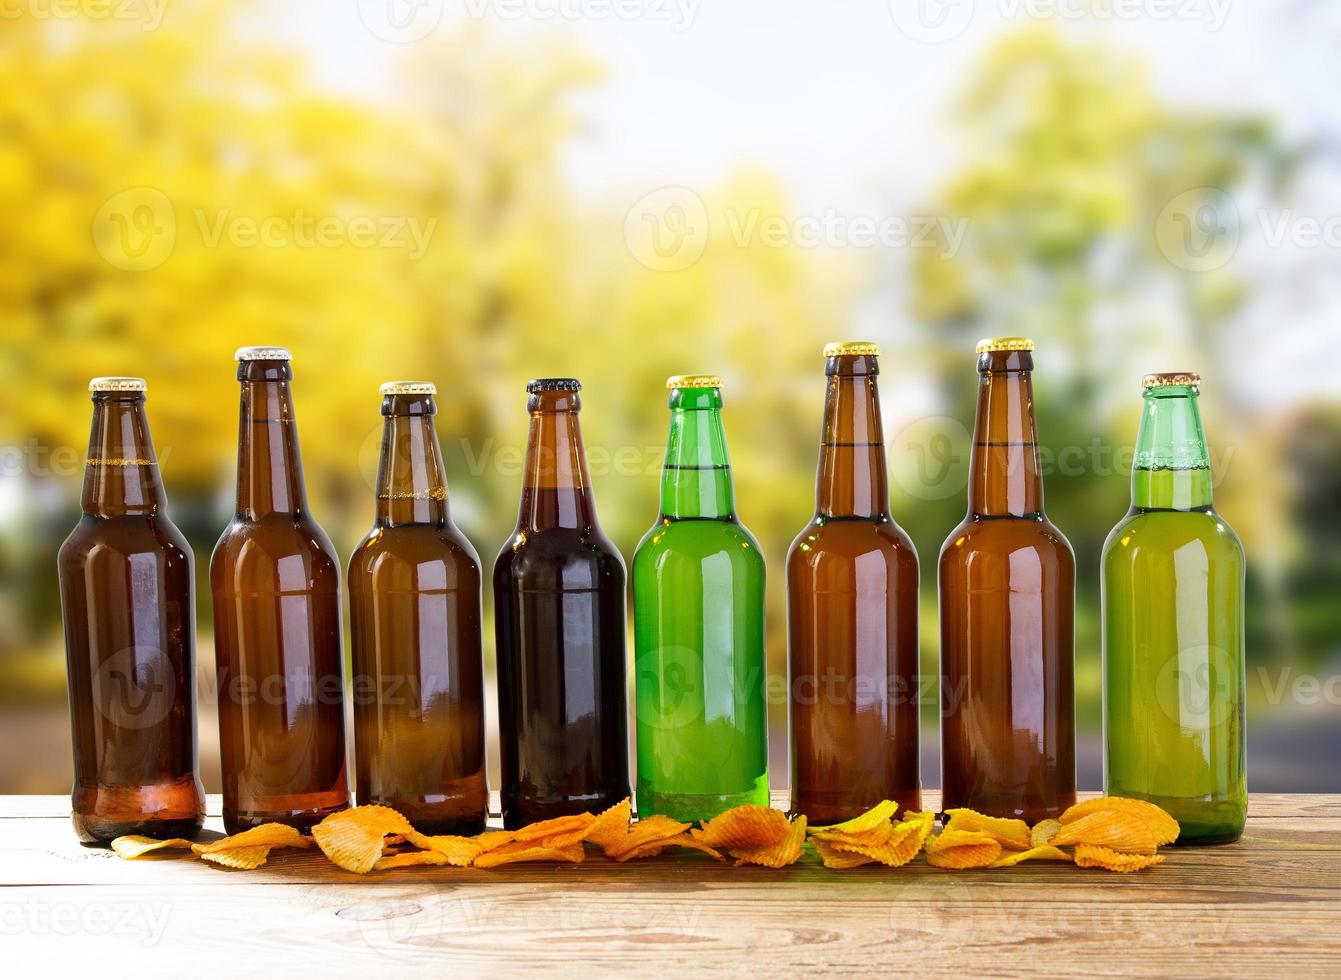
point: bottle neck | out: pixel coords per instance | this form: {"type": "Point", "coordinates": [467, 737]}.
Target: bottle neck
{"type": "Point", "coordinates": [121, 471]}
{"type": "Point", "coordinates": [696, 476]}
{"type": "Point", "coordinates": [411, 480]}
{"type": "Point", "coordinates": [556, 491]}
{"type": "Point", "coordinates": [1004, 471]}
{"type": "Point", "coordinates": [269, 467]}
{"type": "Point", "coordinates": [1171, 469]}
{"type": "Point", "coordinates": [852, 480]}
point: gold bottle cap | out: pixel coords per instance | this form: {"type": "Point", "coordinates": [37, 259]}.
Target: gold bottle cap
{"type": "Point", "coordinates": [117, 384]}
{"type": "Point", "coordinates": [989, 344]}
{"type": "Point", "coordinates": [408, 388]}
{"type": "Point", "coordinates": [693, 381]}
{"type": "Point", "coordinates": [262, 354]}
{"type": "Point", "coordinates": [852, 347]}
{"type": "Point", "coordinates": [1168, 379]}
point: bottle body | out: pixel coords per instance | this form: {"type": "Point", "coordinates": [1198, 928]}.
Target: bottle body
{"type": "Point", "coordinates": [415, 611]}
{"type": "Point", "coordinates": [275, 583]}
{"type": "Point", "coordinates": [559, 626]}
{"type": "Point", "coordinates": [698, 593]}
{"type": "Point", "coordinates": [698, 596]}
{"type": "Point", "coordinates": [1007, 596]}
{"type": "Point", "coordinates": [1007, 690]}
{"type": "Point", "coordinates": [1173, 651]}
{"type": "Point", "coordinates": [127, 589]}
{"type": "Point", "coordinates": [852, 581]}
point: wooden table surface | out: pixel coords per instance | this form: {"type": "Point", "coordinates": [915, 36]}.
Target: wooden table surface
{"type": "Point", "coordinates": [1268, 904]}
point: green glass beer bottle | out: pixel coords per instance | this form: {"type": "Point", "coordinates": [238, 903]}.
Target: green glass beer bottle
{"type": "Point", "coordinates": [698, 605]}
{"type": "Point", "coordinates": [1172, 585]}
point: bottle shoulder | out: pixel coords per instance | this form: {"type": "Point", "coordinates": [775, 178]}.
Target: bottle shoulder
{"type": "Point", "coordinates": [120, 538]}
{"type": "Point", "coordinates": [273, 538]}
{"type": "Point", "coordinates": [571, 556]}
{"type": "Point", "coordinates": [699, 537]}
{"type": "Point", "coordinates": [1169, 530]}
{"type": "Point", "coordinates": [414, 544]}
{"type": "Point", "coordinates": [848, 540]}
{"type": "Point", "coordinates": [1005, 535]}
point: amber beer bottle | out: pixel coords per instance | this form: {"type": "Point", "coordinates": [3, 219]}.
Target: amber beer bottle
{"type": "Point", "coordinates": [852, 616]}
{"type": "Point", "coordinates": [1007, 594]}
{"type": "Point", "coordinates": [414, 609]}
{"type": "Point", "coordinates": [559, 624]}
{"type": "Point", "coordinates": [126, 578]}
{"type": "Point", "coordinates": [276, 588]}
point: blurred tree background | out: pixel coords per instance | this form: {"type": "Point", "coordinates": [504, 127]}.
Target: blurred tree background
{"type": "Point", "coordinates": [133, 163]}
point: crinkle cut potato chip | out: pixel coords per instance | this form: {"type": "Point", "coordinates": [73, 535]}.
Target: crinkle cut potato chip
{"type": "Point", "coordinates": [544, 830]}
{"type": "Point", "coordinates": [520, 851]}
{"type": "Point", "coordinates": [1095, 856]}
{"type": "Point", "coordinates": [355, 838]}
{"type": "Point", "coordinates": [747, 826]}
{"type": "Point", "coordinates": [779, 855]}
{"type": "Point", "coordinates": [246, 858]}
{"type": "Point", "coordinates": [1008, 831]}
{"type": "Point", "coordinates": [610, 826]}
{"type": "Point", "coordinates": [1043, 852]}
{"type": "Point", "coordinates": [1042, 832]}
{"type": "Point", "coordinates": [1162, 825]}
{"type": "Point", "coordinates": [962, 849]}
{"type": "Point", "coordinates": [263, 835]}
{"type": "Point", "coordinates": [454, 850]}
{"type": "Point", "coordinates": [132, 846]}
{"type": "Point", "coordinates": [412, 859]}
{"type": "Point", "coordinates": [836, 859]}
{"type": "Point", "coordinates": [873, 819]}
{"type": "Point", "coordinates": [650, 831]}
{"type": "Point", "coordinates": [1113, 829]}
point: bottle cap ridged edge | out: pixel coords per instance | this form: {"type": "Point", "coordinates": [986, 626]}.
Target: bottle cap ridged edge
{"type": "Point", "coordinates": [990, 345]}
{"type": "Point", "coordinates": [1169, 379]}
{"type": "Point", "coordinates": [262, 354]}
{"type": "Point", "coordinates": [860, 348]}
{"type": "Point", "coordinates": [408, 388]}
{"type": "Point", "coordinates": [117, 384]}
{"type": "Point", "coordinates": [693, 381]}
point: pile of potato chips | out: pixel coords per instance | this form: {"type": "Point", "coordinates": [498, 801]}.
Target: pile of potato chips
{"type": "Point", "coordinates": [1110, 832]}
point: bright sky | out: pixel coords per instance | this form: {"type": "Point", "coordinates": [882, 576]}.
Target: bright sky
{"type": "Point", "coordinates": [843, 99]}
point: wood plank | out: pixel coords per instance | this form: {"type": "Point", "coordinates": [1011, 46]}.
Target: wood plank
{"type": "Point", "coordinates": [1268, 903]}
{"type": "Point", "coordinates": [941, 925]}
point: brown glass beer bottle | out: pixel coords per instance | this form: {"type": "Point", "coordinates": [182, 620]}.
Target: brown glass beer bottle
{"type": "Point", "coordinates": [852, 616]}
{"type": "Point", "coordinates": [276, 589]}
{"type": "Point", "coordinates": [126, 578]}
{"type": "Point", "coordinates": [1007, 596]}
{"type": "Point", "coordinates": [414, 605]}
{"type": "Point", "coordinates": [559, 624]}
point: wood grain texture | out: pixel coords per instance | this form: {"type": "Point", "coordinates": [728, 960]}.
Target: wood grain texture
{"type": "Point", "coordinates": [1271, 902]}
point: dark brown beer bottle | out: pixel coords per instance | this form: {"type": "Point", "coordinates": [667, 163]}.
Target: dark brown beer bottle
{"type": "Point", "coordinates": [852, 616]}
{"type": "Point", "coordinates": [126, 577]}
{"type": "Point", "coordinates": [414, 606]}
{"type": "Point", "coordinates": [276, 588]}
{"type": "Point", "coordinates": [559, 622]}
{"type": "Point", "coordinates": [1007, 596]}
